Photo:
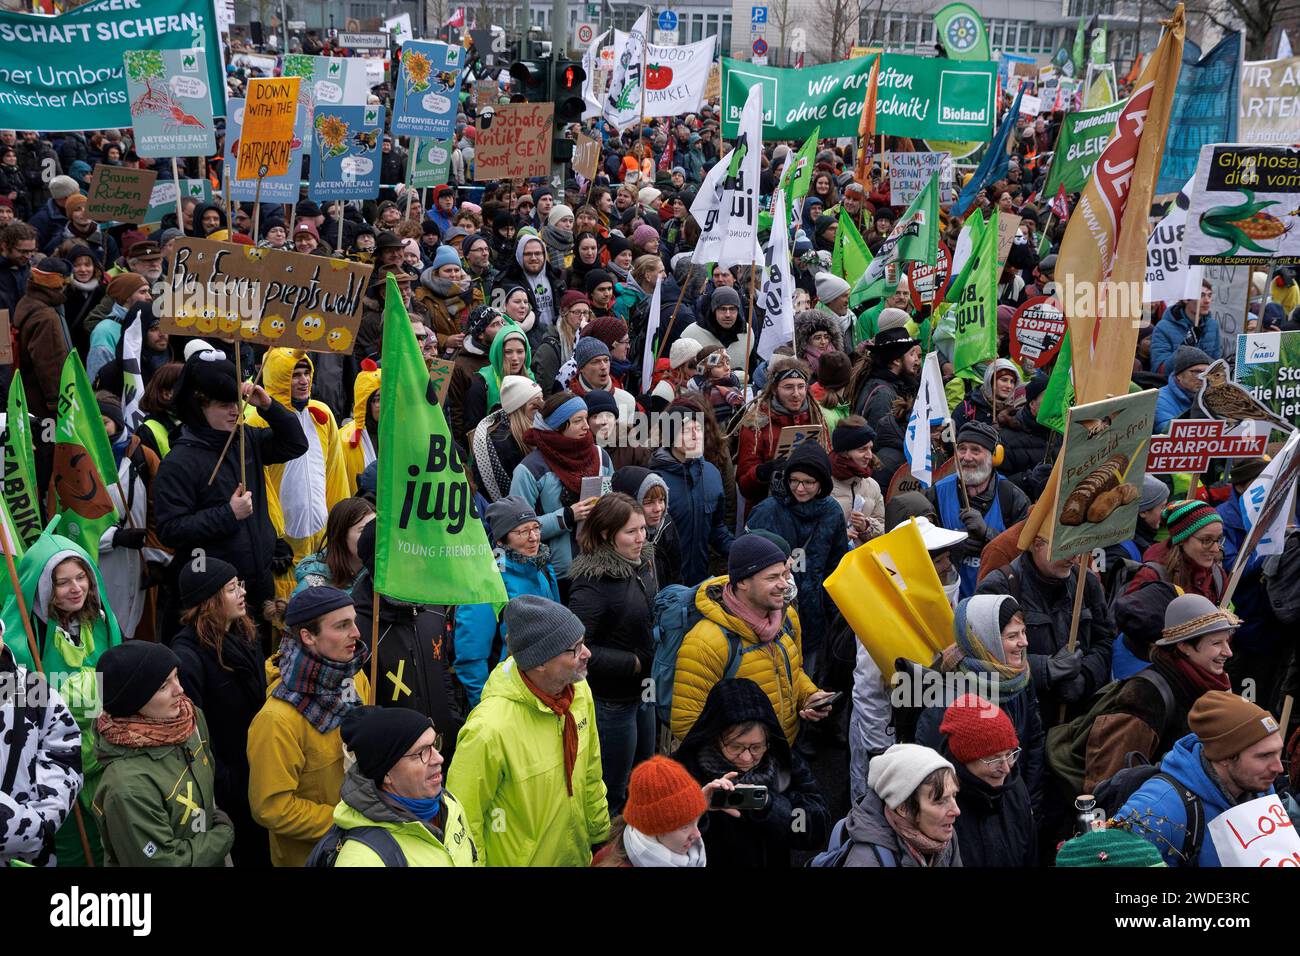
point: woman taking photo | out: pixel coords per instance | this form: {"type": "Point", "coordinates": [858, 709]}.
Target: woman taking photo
{"type": "Point", "coordinates": [907, 816]}
{"type": "Point", "coordinates": [612, 592]}
{"type": "Point", "coordinates": [222, 672]}
{"type": "Point", "coordinates": [738, 733]}
{"type": "Point", "coordinates": [337, 563]}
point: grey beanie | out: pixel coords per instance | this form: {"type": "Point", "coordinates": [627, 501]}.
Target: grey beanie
{"type": "Point", "coordinates": [724, 295]}
{"type": "Point", "coordinates": [508, 513]}
{"type": "Point", "coordinates": [1187, 356]}
{"type": "Point", "coordinates": [588, 348]}
{"type": "Point", "coordinates": [1154, 493]}
{"type": "Point", "coordinates": [538, 629]}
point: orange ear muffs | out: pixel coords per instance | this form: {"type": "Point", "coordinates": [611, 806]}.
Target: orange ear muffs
{"type": "Point", "coordinates": [998, 454]}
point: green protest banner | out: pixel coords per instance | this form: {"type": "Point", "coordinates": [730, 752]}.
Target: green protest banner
{"type": "Point", "coordinates": [1059, 394]}
{"type": "Point", "coordinates": [83, 460]}
{"type": "Point", "coordinates": [21, 493]}
{"type": "Point", "coordinates": [1268, 364]}
{"type": "Point", "coordinates": [432, 163]}
{"type": "Point", "coordinates": [797, 102]}
{"type": "Point", "coordinates": [1082, 139]}
{"type": "Point", "coordinates": [975, 306]}
{"type": "Point", "coordinates": [936, 99]}
{"type": "Point", "coordinates": [65, 72]}
{"type": "Point", "coordinates": [850, 256]}
{"type": "Point", "coordinates": [914, 238]}
{"type": "Point", "coordinates": [430, 544]}
{"type": "Point", "coordinates": [1103, 459]}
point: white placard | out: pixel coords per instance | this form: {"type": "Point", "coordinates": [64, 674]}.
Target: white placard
{"type": "Point", "coordinates": [1256, 833]}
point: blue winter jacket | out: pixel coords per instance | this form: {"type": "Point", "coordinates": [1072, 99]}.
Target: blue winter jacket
{"type": "Point", "coordinates": [1155, 810]}
{"type": "Point", "coordinates": [535, 482]}
{"type": "Point", "coordinates": [1171, 402]}
{"type": "Point", "coordinates": [696, 504]}
{"type": "Point", "coordinates": [476, 624]}
{"type": "Point", "coordinates": [1249, 601]}
{"type": "Point", "coordinates": [1171, 332]}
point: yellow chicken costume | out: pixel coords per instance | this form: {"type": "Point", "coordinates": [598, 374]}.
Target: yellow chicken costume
{"type": "Point", "coordinates": [358, 447]}
{"type": "Point", "coordinates": [300, 493]}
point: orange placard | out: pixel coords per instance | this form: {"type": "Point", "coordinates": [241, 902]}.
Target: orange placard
{"type": "Point", "coordinates": [266, 137]}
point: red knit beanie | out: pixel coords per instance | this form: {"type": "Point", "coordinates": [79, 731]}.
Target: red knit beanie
{"type": "Point", "coordinates": [976, 728]}
{"type": "Point", "coordinates": [610, 330]}
{"type": "Point", "coordinates": [661, 797]}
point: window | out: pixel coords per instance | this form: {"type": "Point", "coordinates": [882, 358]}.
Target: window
{"type": "Point", "coordinates": [724, 37]}
{"type": "Point", "coordinates": [697, 29]}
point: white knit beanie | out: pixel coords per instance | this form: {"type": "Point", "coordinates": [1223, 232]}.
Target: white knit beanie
{"type": "Point", "coordinates": [830, 287]}
{"type": "Point", "coordinates": [683, 350]}
{"type": "Point", "coordinates": [517, 391]}
{"type": "Point", "coordinates": [896, 773]}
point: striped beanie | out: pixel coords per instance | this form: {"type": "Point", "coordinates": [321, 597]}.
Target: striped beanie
{"type": "Point", "coordinates": [1185, 518]}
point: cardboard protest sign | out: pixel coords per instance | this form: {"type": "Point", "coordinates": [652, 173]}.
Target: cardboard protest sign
{"type": "Point", "coordinates": [284, 188]}
{"type": "Point", "coordinates": [792, 435]}
{"type": "Point", "coordinates": [1270, 101]}
{"type": "Point", "coordinates": [119, 193]}
{"type": "Point", "coordinates": [162, 198]}
{"type": "Point", "coordinates": [1008, 225]}
{"type": "Point", "coordinates": [1245, 206]}
{"type": "Point", "coordinates": [909, 173]}
{"type": "Point", "coordinates": [171, 104]}
{"type": "Point", "coordinates": [428, 90]}
{"type": "Point", "coordinates": [514, 143]}
{"type": "Point", "coordinates": [586, 156]}
{"type": "Point", "coordinates": [349, 152]}
{"type": "Point", "coordinates": [927, 282]}
{"type": "Point", "coordinates": [432, 163]}
{"type": "Point", "coordinates": [1193, 443]}
{"type": "Point", "coordinates": [6, 339]}
{"type": "Point", "coordinates": [903, 479]}
{"type": "Point", "coordinates": [440, 374]}
{"type": "Point", "coordinates": [1037, 331]}
{"type": "Point", "coordinates": [1230, 286]}
{"type": "Point", "coordinates": [1268, 366]}
{"type": "Point", "coordinates": [1103, 459]}
{"type": "Point", "coordinates": [264, 296]}
{"type": "Point", "coordinates": [267, 127]}
{"type": "Point", "coordinates": [1256, 833]}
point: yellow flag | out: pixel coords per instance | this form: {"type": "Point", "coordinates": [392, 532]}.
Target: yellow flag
{"type": "Point", "coordinates": [888, 591]}
{"type": "Point", "coordinates": [1102, 261]}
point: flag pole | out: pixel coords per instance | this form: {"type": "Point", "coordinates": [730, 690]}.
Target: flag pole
{"type": "Point", "coordinates": [659, 349]}
{"type": "Point", "coordinates": [1079, 588]}
{"type": "Point", "coordinates": [374, 647]}
{"type": "Point", "coordinates": [176, 178]}
{"type": "Point", "coordinates": [410, 168]}
{"type": "Point", "coordinates": [754, 273]}
{"type": "Point", "coordinates": [40, 669]}
{"type": "Point", "coordinates": [243, 407]}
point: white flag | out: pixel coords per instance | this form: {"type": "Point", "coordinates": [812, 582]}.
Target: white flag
{"type": "Point", "coordinates": [132, 378]}
{"type": "Point", "coordinates": [930, 408]}
{"type": "Point", "coordinates": [590, 61]}
{"type": "Point", "coordinates": [778, 288]}
{"type": "Point", "coordinates": [740, 241]}
{"type": "Point", "coordinates": [1271, 497]}
{"type": "Point", "coordinates": [651, 329]}
{"type": "Point", "coordinates": [710, 210]}
{"type": "Point", "coordinates": [1168, 274]}
{"type": "Point", "coordinates": [626, 90]}
{"type": "Point", "coordinates": [676, 76]}
{"type": "Point", "coordinates": [1284, 47]}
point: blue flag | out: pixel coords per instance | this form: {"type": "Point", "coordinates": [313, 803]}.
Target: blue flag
{"type": "Point", "coordinates": [1204, 109]}
{"type": "Point", "coordinates": [995, 163]}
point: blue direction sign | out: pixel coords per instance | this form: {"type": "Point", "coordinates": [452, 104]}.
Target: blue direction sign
{"type": "Point", "coordinates": [667, 20]}
{"type": "Point", "coordinates": [760, 46]}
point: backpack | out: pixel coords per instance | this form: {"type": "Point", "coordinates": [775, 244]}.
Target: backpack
{"type": "Point", "coordinates": [1067, 744]}
{"type": "Point", "coordinates": [1112, 794]}
{"type": "Point", "coordinates": [1282, 580]}
{"type": "Point", "coordinates": [840, 844]}
{"type": "Point", "coordinates": [675, 614]}
{"type": "Point", "coordinates": [384, 844]}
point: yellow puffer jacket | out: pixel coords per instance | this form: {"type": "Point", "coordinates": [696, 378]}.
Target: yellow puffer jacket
{"type": "Point", "coordinates": [352, 435]}
{"type": "Point", "coordinates": [277, 377]}
{"type": "Point", "coordinates": [702, 662]}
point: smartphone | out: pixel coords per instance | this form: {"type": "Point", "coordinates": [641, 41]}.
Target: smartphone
{"type": "Point", "coordinates": [826, 702]}
{"type": "Point", "coordinates": [746, 796]}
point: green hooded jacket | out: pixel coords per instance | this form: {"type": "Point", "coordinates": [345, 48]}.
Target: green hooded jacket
{"type": "Point", "coordinates": [155, 805]}
{"type": "Point", "coordinates": [493, 372]}
{"type": "Point", "coordinates": [69, 665]}
{"type": "Point", "coordinates": [509, 777]}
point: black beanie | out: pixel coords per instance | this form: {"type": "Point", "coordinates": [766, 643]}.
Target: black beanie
{"type": "Point", "coordinates": [1009, 609]}
{"type": "Point", "coordinates": [197, 586]}
{"type": "Point", "coordinates": [846, 438]}
{"type": "Point", "coordinates": [132, 673]}
{"type": "Point", "coordinates": [379, 737]}
{"type": "Point", "coordinates": [595, 277]}
{"type": "Point", "coordinates": [751, 553]}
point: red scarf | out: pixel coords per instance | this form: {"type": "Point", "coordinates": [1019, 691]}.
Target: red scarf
{"type": "Point", "coordinates": [1198, 677]}
{"type": "Point", "coordinates": [561, 704]}
{"type": "Point", "coordinates": [843, 469]}
{"type": "Point", "coordinates": [571, 459]}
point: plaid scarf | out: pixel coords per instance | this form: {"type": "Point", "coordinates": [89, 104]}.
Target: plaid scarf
{"type": "Point", "coordinates": [321, 690]}
{"type": "Point", "coordinates": [139, 732]}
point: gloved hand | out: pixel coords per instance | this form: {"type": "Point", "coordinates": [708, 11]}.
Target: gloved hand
{"type": "Point", "coordinates": [281, 557]}
{"type": "Point", "coordinates": [974, 522]}
{"type": "Point", "coordinates": [764, 471]}
{"type": "Point", "coordinates": [1073, 690]}
{"type": "Point", "coordinates": [132, 538]}
{"type": "Point", "coordinates": [1064, 666]}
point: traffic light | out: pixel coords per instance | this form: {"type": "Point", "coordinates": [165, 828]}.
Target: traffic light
{"type": "Point", "coordinates": [533, 79]}
{"type": "Point", "coordinates": [569, 104]}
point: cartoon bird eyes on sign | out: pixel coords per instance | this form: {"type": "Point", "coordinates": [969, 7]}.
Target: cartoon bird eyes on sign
{"type": "Point", "coordinates": [1221, 398]}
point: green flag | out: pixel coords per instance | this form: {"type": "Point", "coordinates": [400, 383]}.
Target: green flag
{"type": "Point", "coordinates": [1076, 56]}
{"type": "Point", "coordinates": [975, 308]}
{"type": "Point", "coordinates": [1097, 53]}
{"type": "Point", "coordinates": [430, 543]}
{"type": "Point", "coordinates": [915, 238]}
{"type": "Point", "coordinates": [1059, 394]}
{"type": "Point", "coordinates": [83, 460]}
{"type": "Point", "coordinates": [20, 489]}
{"type": "Point", "coordinates": [796, 178]}
{"type": "Point", "coordinates": [974, 225]}
{"type": "Point", "coordinates": [850, 256]}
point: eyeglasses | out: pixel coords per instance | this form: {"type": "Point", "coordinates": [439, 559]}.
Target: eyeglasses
{"type": "Point", "coordinates": [425, 754]}
{"type": "Point", "coordinates": [576, 649]}
{"type": "Point", "coordinates": [803, 482]}
{"type": "Point", "coordinates": [735, 751]}
{"type": "Point", "coordinates": [1205, 542]}
{"type": "Point", "coordinates": [1010, 758]}
{"type": "Point", "coordinates": [581, 312]}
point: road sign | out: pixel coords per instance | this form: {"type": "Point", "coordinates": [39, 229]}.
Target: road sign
{"type": "Point", "coordinates": [364, 41]}
{"type": "Point", "coordinates": [585, 33]}
{"type": "Point", "coordinates": [758, 15]}
{"type": "Point", "coordinates": [665, 38]}
{"type": "Point", "coordinates": [667, 20]}
{"type": "Point", "coordinates": [760, 47]}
